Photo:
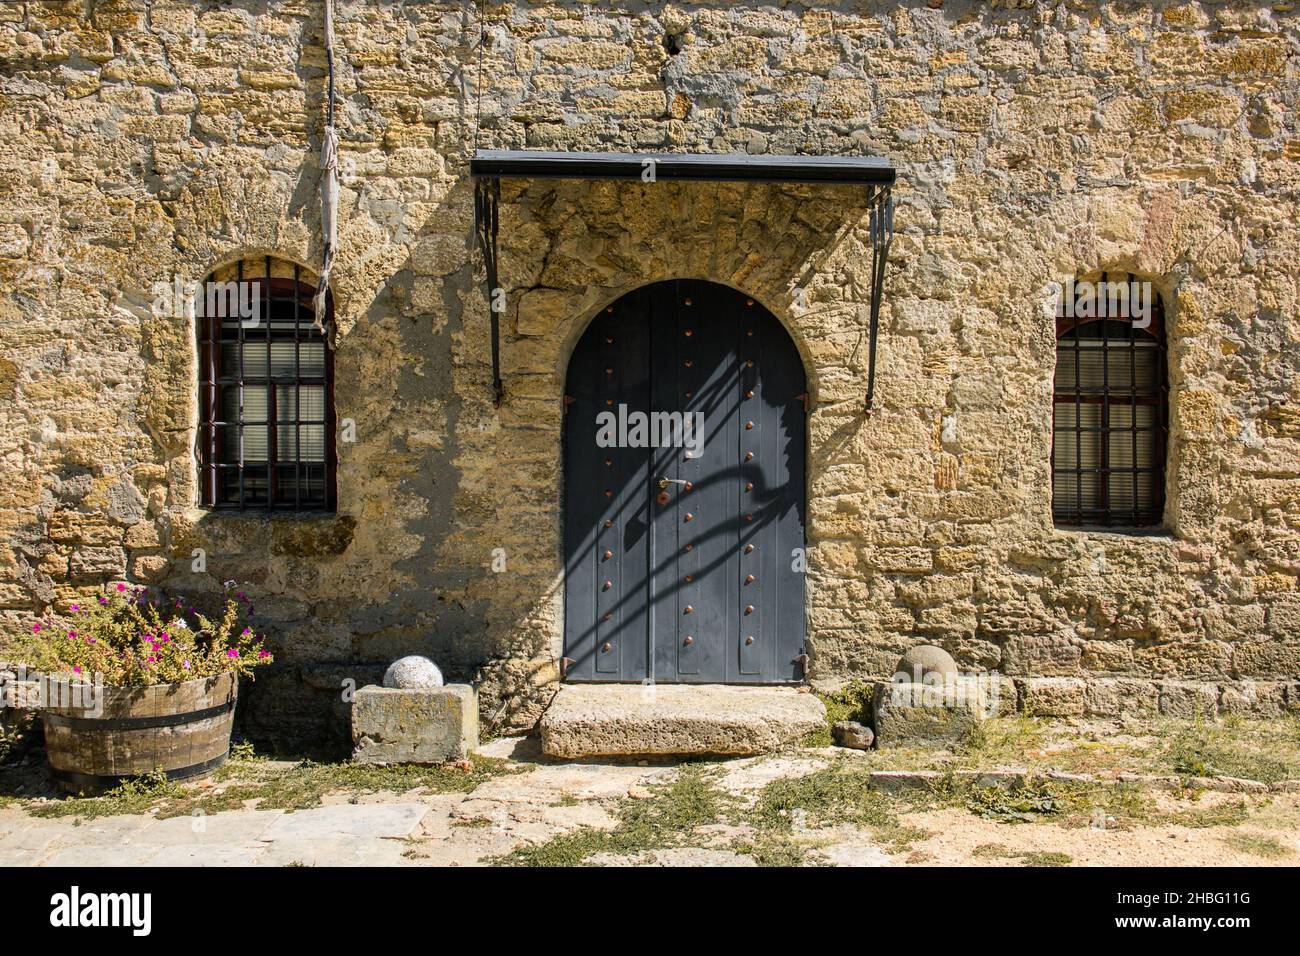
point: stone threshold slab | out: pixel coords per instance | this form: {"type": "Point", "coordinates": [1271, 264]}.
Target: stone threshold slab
{"type": "Point", "coordinates": [610, 720]}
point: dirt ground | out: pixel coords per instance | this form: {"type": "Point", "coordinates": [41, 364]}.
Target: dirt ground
{"type": "Point", "coordinates": [1122, 794]}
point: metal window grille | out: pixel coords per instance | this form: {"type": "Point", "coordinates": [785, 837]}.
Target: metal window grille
{"type": "Point", "coordinates": [266, 438]}
{"type": "Point", "coordinates": [1110, 420]}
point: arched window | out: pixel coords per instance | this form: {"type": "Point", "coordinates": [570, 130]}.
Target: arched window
{"type": "Point", "coordinates": [1109, 405]}
{"type": "Point", "coordinates": [266, 391]}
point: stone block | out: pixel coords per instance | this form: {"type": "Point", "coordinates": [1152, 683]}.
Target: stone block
{"type": "Point", "coordinates": [1053, 696]}
{"type": "Point", "coordinates": [425, 725]}
{"type": "Point", "coordinates": [1260, 698]}
{"type": "Point", "coordinates": [588, 720]}
{"type": "Point", "coordinates": [1042, 656]}
{"type": "Point", "coordinates": [929, 715]}
{"type": "Point", "coordinates": [1188, 699]}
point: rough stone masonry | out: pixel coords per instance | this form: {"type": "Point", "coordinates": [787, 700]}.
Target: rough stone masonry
{"type": "Point", "coordinates": [146, 140]}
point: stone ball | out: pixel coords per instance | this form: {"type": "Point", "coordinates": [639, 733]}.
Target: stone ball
{"type": "Point", "coordinates": [411, 673]}
{"type": "Point", "coordinates": [926, 659]}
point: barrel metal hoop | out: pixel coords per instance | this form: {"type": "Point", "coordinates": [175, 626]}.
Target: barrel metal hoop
{"type": "Point", "coordinates": [138, 723]}
{"type": "Point", "coordinates": [101, 781]}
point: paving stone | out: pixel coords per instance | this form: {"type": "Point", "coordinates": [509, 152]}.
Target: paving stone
{"type": "Point", "coordinates": [237, 826]}
{"type": "Point", "coordinates": [206, 854]}
{"type": "Point", "coordinates": [334, 851]}
{"type": "Point", "coordinates": [358, 821]}
{"type": "Point", "coordinates": [752, 775]}
{"type": "Point", "coordinates": [849, 846]}
{"type": "Point", "coordinates": [129, 854]}
{"type": "Point", "coordinates": [32, 839]}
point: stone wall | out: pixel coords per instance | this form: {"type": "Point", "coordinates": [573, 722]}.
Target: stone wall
{"type": "Point", "coordinates": [141, 140]}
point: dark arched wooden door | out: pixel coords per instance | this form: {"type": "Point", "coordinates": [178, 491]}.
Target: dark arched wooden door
{"type": "Point", "coordinates": [684, 472]}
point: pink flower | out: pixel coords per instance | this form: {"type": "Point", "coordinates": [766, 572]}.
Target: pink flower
{"type": "Point", "coordinates": [246, 631]}
{"type": "Point", "coordinates": [232, 652]}
{"type": "Point", "coordinates": [263, 653]}
{"type": "Point", "coordinates": [90, 640]}
{"type": "Point", "coordinates": [76, 607]}
{"type": "Point", "coordinates": [103, 600]}
{"type": "Point", "coordinates": [186, 665]}
{"type": "Point", "coordinates": [36, 629]}
{"type": "Point", "coordinates": [121, 588]}
{"type": "Point", "coordinates": [72, 633]}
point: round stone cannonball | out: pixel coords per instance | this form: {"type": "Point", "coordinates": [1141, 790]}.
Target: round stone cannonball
{"type": "Point", "coordinates": [926, 659]}
{"type": "Point", "coordinates": [410, 673]}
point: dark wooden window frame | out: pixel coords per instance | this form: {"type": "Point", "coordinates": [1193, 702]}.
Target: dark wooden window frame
{"type": "Point", "coordinates": [212, 378]}
{"type": "Point", "coordinates": [1135, 513]}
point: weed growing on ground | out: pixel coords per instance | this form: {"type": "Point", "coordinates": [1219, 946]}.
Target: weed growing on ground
{"type": "Point", "coordinates": [272, 786]}
{"type": "Point", "coordinates": [831, 796]}
{"type": "Point", "coordinates": [1235, 748]}
{"type": "Point", "coordinates": [1267, 847]}
{"type": "Point", "coordinates": [666, 819]}
{"type": "Point", "coordinates": [135, 795]}
{"type": "Point", "coordinates": [1014, 805]}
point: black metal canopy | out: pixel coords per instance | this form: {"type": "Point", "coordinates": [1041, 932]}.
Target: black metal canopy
{"type": "Point", "coordinates": [689, 167]}
{"type": "Point", "coordinates": [489, 166]}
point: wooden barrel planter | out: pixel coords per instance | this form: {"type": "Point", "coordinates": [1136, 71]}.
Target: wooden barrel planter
{"type": "Point", "coordinates": [184, 729]}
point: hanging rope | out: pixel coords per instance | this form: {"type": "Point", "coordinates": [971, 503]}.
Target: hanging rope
{"type": "Point", "coordinates": [329, 183]}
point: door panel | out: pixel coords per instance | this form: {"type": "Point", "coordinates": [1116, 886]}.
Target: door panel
{"type": "Point", "coordinates": [693, 581]}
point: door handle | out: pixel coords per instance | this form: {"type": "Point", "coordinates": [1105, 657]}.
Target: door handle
{"type": "Point", "coordinates": [665, 482]}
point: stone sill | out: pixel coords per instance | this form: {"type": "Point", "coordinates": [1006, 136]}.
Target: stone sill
{"type": "Point", "coordinates": [296, 534]}
{"type": "Point", "coordinates": [261, 516]}
{"type": "Point", "coordinates": [1153, 535]}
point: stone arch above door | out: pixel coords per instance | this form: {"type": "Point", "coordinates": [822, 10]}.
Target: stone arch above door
{"type": "Point", "coordinates": [567, 250]}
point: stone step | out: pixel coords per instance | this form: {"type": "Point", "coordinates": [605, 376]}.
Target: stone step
{"type": "Point", "coordinates": [603, 720]}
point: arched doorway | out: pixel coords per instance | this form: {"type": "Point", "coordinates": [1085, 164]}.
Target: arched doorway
{"type": "Point", "coordinates": [684, 477]}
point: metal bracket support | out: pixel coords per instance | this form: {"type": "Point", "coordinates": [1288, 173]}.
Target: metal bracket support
{"type": "Point", "coordinates": [487, 200]}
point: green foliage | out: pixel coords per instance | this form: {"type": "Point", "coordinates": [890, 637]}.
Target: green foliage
{"type": "Point", "coordinates": [16, 737]}
{"type": "Point", "coordinates": [832, 796]}
{"type": "Point", "coordinates": [136, 640]}
{"type": "Point", "coordinates": [1233, 749]}
{"type": "Point", "coordinates": [1047, 859]}
{"type": "Point", "coordinates": [1015, 804]}
{"type": "Point", "coordinates": [1230, 814]}
{"type": "Point", "coordinates": [825, 797]}
{"type": "Point", "coordinates": [667, 819]}
{"type": "Point", "coordinates": [134, 795]}
{"type": "Point", "coordinates": [769, 850]}
{"type": "Point", "coordinates": [272, 786]}
{"type": "Point", "coordinates": [1267, 847]}
{"type": "Point", "coordinates": [1004, 740]}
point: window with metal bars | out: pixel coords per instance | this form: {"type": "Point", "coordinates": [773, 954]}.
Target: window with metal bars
{"type": "Point", "coordinates": [266, 398]}
{"type": "Point", "coordinates": [1109, 417]}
